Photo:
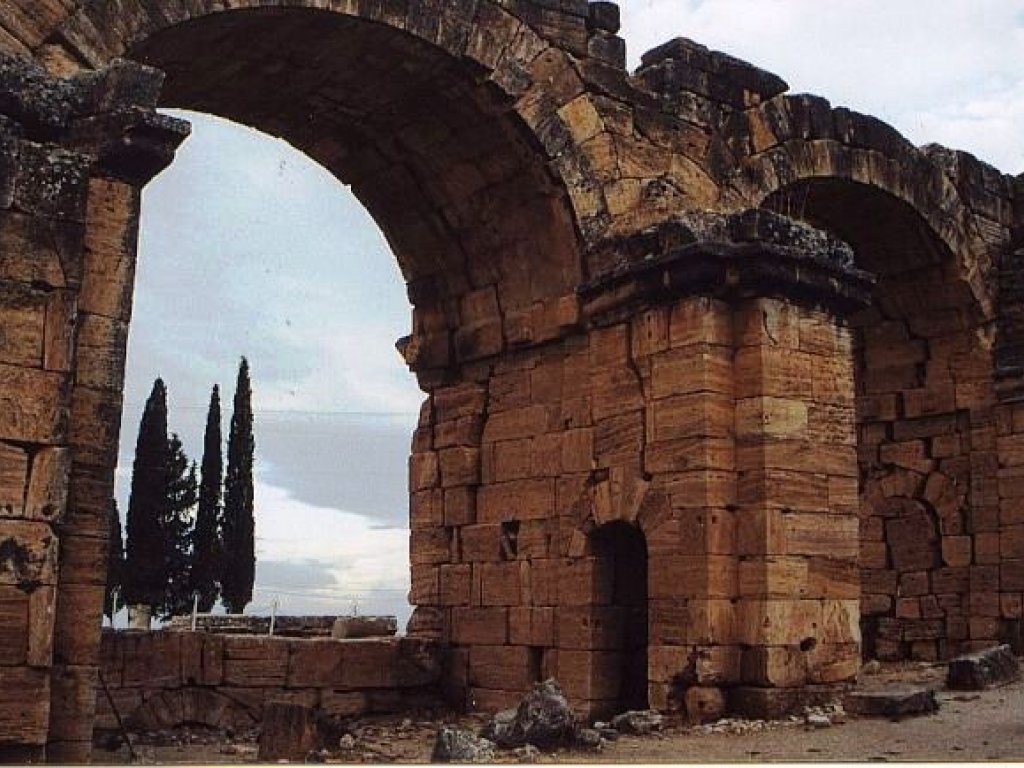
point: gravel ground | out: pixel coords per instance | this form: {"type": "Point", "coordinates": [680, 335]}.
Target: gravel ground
{"type": "Point", "coordinates": [969, 727]}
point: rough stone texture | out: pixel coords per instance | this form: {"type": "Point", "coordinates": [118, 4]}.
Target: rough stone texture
{"type": "Point", "coordinates": [892, 703]}
{"type": "Point", "coordinates": [162, 679]}
{"type": "Point", "coordinates": [288, 731]}
{"type": "Point", "coordinates": [984, 669]}
{"type": "Point", "coordinates": [454, 745]}
{"type": "Point", "coordinates": [543, 718]}
{"type": "Point", "coordinates": [633, 347]}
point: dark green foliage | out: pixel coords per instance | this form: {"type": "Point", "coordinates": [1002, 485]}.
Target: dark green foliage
{"type": "Point", "coordinates": [239, 540]}
{"type": "Point", "coordinates": [145, 575]}
{"type": "Point", "coordinates": [115, 560]}
{"type": "Point", "coordinates": [163, 496]}
{"type": "Point", "coordinates": [206, 543]}
{"type": "Point", "coordinates": [181, 489]}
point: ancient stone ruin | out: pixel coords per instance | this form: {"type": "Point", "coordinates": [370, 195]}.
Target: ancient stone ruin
{"type": "Point", "coordinates": [723, 385]}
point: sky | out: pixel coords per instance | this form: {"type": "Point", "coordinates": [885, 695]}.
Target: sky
{"type": "Point", "coordinates": [249, 248]}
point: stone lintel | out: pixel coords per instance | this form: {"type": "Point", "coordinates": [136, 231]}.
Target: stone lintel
{"type": "Point", "coordinates": [106, 116]}
{"type": "Point", "coordinates": [748, 255]}
{"type": "Point", "coordinates": [132, 145]}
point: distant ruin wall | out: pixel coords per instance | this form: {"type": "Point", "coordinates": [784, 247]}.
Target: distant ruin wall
{"type": "Point", "coordinates": [164, 679]}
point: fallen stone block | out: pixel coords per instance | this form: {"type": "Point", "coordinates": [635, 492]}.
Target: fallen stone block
{"type": "Point", "coordinates": [984, 669]}
{"type": "Point", "coordinates": [350, 627]}
{"type": "Point", "coordinates": [638, 722]}
{"type": "Point", "coordinates": [892, 702]}
{"type": "Point", "coordinates": [543, 718]}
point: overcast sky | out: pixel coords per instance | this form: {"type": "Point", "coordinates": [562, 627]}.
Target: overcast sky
{"type": "Point", "coordinates": [247, 247]}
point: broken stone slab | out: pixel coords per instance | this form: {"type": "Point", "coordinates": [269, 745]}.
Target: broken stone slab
{"type": "Point", "coordinates": [351, 627]}
{"type": "Point", "coordinates": [638, 722]}
{"type": "Point", "coordinates": [894, 702]}
{"type": "Point", "coordinates": [454, 745]}
{"type": "Point", "coordinates": [984, 669]}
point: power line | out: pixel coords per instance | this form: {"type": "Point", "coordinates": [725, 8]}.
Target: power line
{"type": "Point", "coordinates": [286, 411]}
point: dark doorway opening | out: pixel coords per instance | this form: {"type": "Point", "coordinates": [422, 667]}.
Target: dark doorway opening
{"type": "Point", "coordinates": [622, 550]}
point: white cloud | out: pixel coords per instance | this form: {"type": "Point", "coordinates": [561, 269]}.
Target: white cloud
{"type": "Point", "coordinates": [368, 566]}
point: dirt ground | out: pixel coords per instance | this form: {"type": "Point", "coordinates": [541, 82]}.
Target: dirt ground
{"type": "Point", "coordinates": [969, 727]}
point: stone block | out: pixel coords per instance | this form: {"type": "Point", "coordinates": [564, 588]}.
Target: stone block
{"type": "Point", "coordinates": [487, 626]}
{"type": "Point", "coordinates": [36, 406]}
{"type": "Point", "coordinates": [985, 669]}
{"type": "Point", "coordinates": [893, 703]}
{"type": "Point", "coordinates": [251, 662]}
{"type": "Point", "coordinates": [502, 667]}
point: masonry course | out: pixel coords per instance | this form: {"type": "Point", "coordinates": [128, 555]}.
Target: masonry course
{"type": "Point", "coordinates": [722, 384]}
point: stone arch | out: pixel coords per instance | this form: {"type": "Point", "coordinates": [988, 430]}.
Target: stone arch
{"type": "Point", "coordinates": [923, 370]}
{"type": "Point", "coordinates": [192, 705]}
{"type": "Point", "coordinates": [452, 125]}
{"type": "Point", "coordinates": [529, 80]}
{"type": "Point", "coordinates": [799, 143]}
{"type": "Point", "coordinates": [465, 151]}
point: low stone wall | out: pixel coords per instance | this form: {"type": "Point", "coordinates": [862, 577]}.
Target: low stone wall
{"type": "Point", "coordinates": [167, 678]}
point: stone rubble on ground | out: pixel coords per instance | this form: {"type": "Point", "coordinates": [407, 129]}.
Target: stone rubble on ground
{"type": "Point", "coordinates": [526, 753]}
{"type": "Point", "coordinates": [456, 745]}
{"type": "Point", "coordinates": [543, 718]}
{"type": "Point", "coordinates": [638, 722]}
{"type": "Point", "coordinates": [589, 738]}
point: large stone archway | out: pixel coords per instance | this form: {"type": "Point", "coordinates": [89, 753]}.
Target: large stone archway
{"type": "Point", "coordinates": [618, 317]}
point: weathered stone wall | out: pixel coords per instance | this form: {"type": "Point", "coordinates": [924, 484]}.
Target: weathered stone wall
{"type": "Point", "coordinates": [68, 215]}
{"type": "Point", "coordinates": [662, 421]}
{"type": "Point", "coordinates": [721, 426]}
{"type": "Point", "coordinates": [165, 679]}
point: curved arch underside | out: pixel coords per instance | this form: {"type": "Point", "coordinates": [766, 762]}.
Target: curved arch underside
{"type": "Point", "coordinates": [440, 160]}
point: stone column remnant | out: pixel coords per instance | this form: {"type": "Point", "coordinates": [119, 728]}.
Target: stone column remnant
{"type": "Point", "coordinates": [73, 157]}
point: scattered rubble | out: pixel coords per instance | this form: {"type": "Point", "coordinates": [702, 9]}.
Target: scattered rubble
{"type": "Point", "coordinates": [456, 745]}
{"type": "Point", "coordinates": [526, 753]}
{"type": "Point", "coordinates": [589, 738]}
{"type": "Point", "coordinates": [872, 667]}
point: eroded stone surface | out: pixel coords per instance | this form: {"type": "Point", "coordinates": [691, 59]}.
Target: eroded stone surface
{"type": "Point", "coordinates": [984, 669]}
{"type": "Point", "coordinates": [765, 348]}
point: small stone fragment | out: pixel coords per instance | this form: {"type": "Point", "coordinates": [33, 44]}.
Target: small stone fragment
{"type": "Point", "coordinates": [589, 738]}
{"type": "Point", "coordinates": [872, 667]}
{"type": "Point", "coordinates": [638, 722]}
{"type": "Point", "coordinates": [454, 745]}
{"type": "Point", "coordinates": [818, 720]}
{"type": "Point", "coordinates": [526, 753]}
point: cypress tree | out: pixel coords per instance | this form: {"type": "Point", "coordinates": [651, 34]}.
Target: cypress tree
{"type": "Point", "coordinates": [206, 544]}
{"type": "Point", "coordinates": [115, 559]}
{"type": "Point", "coordinates": [145, 573]}
{"type": "Point", "coordinates": [239, 538]}
{"type": "Point", "coordinates": [176, 529]}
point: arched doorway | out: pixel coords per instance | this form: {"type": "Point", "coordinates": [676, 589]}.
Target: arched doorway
{"type": "Point", "coordinates": [923, 376]}
{"type": "Point", "coordinates": [447, 130]}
